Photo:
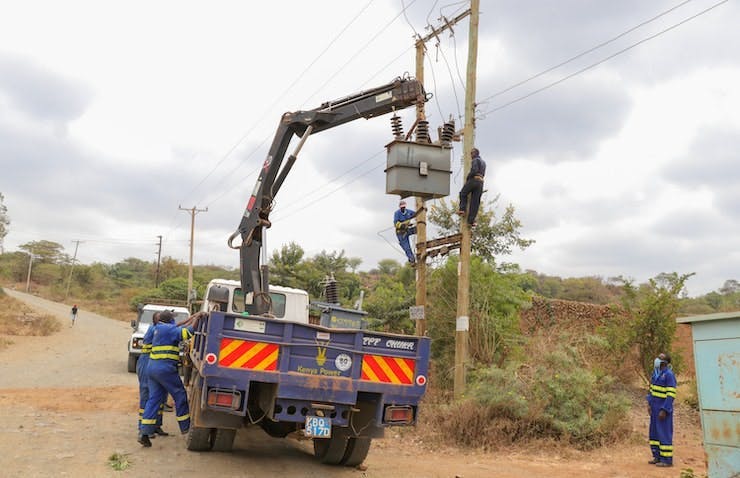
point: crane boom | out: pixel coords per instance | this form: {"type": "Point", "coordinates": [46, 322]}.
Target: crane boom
{"type": "Point", "coordinates": [398, 94]}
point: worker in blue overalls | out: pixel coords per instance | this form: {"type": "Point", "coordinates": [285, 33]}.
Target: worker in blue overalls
{"type": "Point", "coordinates": [402, 222]}
{"type": "Point", "coordinates": [660, 401]}
{"type": "Point", "coordinates": [163, 376]}
{"type": "Point", "coordinates": [141, 373]}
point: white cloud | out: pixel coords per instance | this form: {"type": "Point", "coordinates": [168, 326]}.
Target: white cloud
{"type": "Point", "coordinates": [124, 112]}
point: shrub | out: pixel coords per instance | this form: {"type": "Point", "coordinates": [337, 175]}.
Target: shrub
{"type": "Point", "coordinates": [552, 395]}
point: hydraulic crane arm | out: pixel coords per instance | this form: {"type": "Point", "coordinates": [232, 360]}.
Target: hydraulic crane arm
{"type": "Point", "coordinates": [400, 93]}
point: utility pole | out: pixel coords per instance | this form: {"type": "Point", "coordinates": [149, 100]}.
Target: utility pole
{"type": "Point", "coordinates": [159, 260]}
{"type": "Point", "coordinates": [421, 217]}
{"type": "Point", "coordinates": [28, 277]}
{"type": "Point", "coordinates": [193, 211]}
{"type": "Point", "coordinates": [72, 268]}
{"type": "Point", "coordinates": [462, 323]}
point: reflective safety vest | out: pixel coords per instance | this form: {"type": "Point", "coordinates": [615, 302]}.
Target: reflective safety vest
{"type": "Point", "coordinates": [166, 341]}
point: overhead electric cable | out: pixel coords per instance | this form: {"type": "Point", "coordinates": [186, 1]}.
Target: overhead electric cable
{"type": "Point", "coordinates": [593, 65]}
{"type": "Point", "coordinates": [280, 97]}
{"type": "Point", "coordinates": [357, 53]}
{"type": "Point", "coordinates": [586, 52]}
{"type": "Point", "coordinates": [310, 203]}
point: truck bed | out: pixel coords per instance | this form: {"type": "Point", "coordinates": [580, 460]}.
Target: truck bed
{"type": "Point", "coordinates": [304, 366]}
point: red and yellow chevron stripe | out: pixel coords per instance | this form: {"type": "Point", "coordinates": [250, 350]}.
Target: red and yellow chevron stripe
{"type": "Point", "coordinates": [378, 368]}
{"type": "Point", "coordinates": [235, 353]}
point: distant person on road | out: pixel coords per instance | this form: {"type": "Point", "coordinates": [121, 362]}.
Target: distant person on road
{"type": "Point", "coordinates": [402, 222]}
{"type": "Point", "coordinates": [74, 314]}
{"type": "Point", "coordinates": [660, 404]}
{"type": "Point", "coordinates": [142, 374]}
{"type": "Point", "coordinates": [474, 187]}
{"type": "Point", "coordinates": [163, 376]}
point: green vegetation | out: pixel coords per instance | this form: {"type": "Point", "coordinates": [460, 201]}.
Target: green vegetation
{"type": "Point", "coordinates": [4, 221]}
{"type": "Point", "coordinates": [119, 461]}
{"type": "Point", "coordinates": [560, 378]}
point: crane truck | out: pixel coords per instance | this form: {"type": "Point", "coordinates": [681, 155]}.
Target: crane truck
{"type": "Point", "coordinates": [341, 387]}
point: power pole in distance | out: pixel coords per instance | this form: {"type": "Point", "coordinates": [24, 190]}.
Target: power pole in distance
{"type": "Point", "coordinates": [28, 277]}
{"type": "Point", "coordinates": [193, 211]}
{"type": "Point", "coordinates": [463, 282]}
{"type": "Point", "coordinates": [421, 217]}
{"type": "Point", "coordinates": [69, 280]}
{"type": "Point", "coordinates": [159, 260]}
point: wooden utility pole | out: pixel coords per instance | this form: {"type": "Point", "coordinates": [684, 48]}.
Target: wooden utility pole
{"type": "Point", "coordinates": [421, 217]}
{"type": "Point", "coordinates": [28, 277]}
{"type": "Point", "coordinates": [159, 261]}
{"type": "Point", "coordinates": [72, 268]}
{"type": "Point", "coordinates": [463, 283]}
{"type": "Point", "coordinates": [193, 211]}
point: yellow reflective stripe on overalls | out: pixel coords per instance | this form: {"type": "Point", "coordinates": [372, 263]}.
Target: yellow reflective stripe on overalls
{"type": "Point", "coordinates": [184, 417]}
{"type": "Point", "coordinates": [666, 450]}
{"type": "Point", "coordinates": [148, 421]}
{"type": "Point", "coordinates": [159, 352]}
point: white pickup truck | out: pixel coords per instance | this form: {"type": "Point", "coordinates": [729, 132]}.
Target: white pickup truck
{"type": "Point", "coordinates": [226, 296]}
{"type": "Point", "coordinates": [142, 323]}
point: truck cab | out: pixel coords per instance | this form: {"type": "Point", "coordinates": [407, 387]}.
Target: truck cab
{"type": "Point", "coordinates": [226, 295]}
{"type": "Point", "coordinates": [142, 323]}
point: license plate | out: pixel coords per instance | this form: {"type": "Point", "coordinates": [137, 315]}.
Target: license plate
{"type": "Point", "coordinates": [318, 427]}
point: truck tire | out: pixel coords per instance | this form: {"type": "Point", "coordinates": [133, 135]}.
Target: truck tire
{"type": "Point", "coordinates": [223, 439]}
{"type": "Point", "coordinates": [357, 449]}
{"type": "Point", "coordinates": [330, 451]}
{"type": "Point", "coordinates": [132, 363]}
{"type": "Point", "coordinates": [198, 438]}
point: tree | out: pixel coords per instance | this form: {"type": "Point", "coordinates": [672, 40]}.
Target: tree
{"type": "Point", "coordinates": [729, 287]}
{"type": "Point", "coordinates": [46, 252]}
{"type": "Point", "coordinates": [388, 266]}
{"type": "Point", "coordinates": [496, 298]}
{"type": "Point", "coordinates": [654, 307]}
{"type": "Point", "coordinates": [493, 236]}
{"type": "Point", "coordinates": [285, 265]}
{"type": "Point", "coordinates": [4, 221]}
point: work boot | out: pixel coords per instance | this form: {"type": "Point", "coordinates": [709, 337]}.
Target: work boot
{"type": "Point", "coordinates": [144, 440]}
{"type": "Point", "coordinates": [161, 432]}
{"type": "Point", "coordinates": [167, 407]}
{"type": "Point", "coordinates": [663, 464]}
{"type": "Point", "coordinates": [185, 432]}
{"type": "Point", "coordinates": [654, 461]}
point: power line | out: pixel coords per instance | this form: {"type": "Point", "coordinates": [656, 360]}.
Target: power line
{"type": "Point", "coordinates": [586, 52]}
{"type": "Point", "coordinates": [303, 199]}
{"type": "Point", "coordinates": [310, 203]}
{"type": "Point", "coordinates": [279, 98]}
{"type": "Point", "coordinates": [593, 65]}
{"type": "Point", "coordinates": [357, 53]}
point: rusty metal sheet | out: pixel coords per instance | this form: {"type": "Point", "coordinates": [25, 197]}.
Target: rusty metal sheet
{"type": "Point", "coordinates": [721, 428]}
{"type": "Point", "coordinates": [723, 461]}
{"type": "Point", "coordinates": [718, 373]}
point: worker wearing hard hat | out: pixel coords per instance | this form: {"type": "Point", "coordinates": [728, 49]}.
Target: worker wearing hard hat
{"type": "Point", "coordinates": [402, 222]}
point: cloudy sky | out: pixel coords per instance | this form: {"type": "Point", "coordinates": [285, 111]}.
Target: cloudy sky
{"type": "Point", "coordinates": [113, 114]}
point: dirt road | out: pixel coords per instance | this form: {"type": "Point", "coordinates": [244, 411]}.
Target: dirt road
{"type": "Point", "coordinates": [67, 403]}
